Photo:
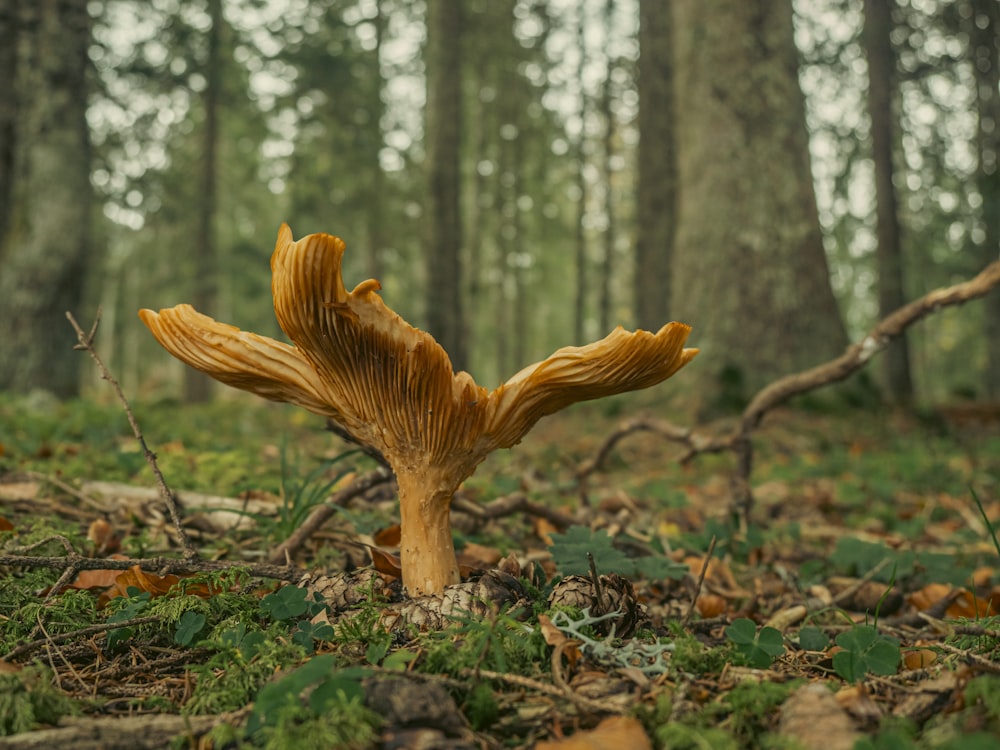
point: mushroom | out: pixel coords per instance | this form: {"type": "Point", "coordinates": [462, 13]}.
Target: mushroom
{"type": "Point", "coordinates": [393, 387]}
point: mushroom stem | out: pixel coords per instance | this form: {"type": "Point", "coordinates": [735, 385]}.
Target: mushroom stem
{"type": "Point", "coordinates": [426, 546]}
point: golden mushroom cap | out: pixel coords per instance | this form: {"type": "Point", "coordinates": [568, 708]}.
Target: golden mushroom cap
{"type": "Point", "coordinates": [392, 385]}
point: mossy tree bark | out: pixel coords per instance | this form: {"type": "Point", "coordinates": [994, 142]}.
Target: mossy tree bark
{"type": "Point", "coordinates": [443, 142]}
{"type": "Point", "coordinates": [750, 272]}
{"type": "Point", "coordinates": [44, 248]}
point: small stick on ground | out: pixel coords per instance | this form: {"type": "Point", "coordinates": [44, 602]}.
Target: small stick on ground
{"type": "Point", "coordinates": [169, 498]}
{"type": "Point", "coordinates": [701, 581]}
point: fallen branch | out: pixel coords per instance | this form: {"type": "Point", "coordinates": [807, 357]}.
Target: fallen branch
{"type": "Point", "coordinates": [508, 505]}
{"type": "Point", "coordinates": [856, 356]}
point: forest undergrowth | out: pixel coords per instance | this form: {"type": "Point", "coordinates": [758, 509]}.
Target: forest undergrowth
{"type": "Point", "coordinates": [857, 608]}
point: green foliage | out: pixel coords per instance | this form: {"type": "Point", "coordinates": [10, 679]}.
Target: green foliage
{"type": "Point", "coordinates": [286, 603]}
{"type": "Point", "coordinates": [759, 648]}
{"type": "Point", "coordinates": [21, 610]}
{"type": "Point", "coordinates": [315, 689]}
{"type": "Point", "coordinates": [243, 662]}
{"type": "Point", "coordinates": [572, 550]}
{"type": "Point", "coordinates": [752, 706]}
{"type": "Point", "coordinates": [28, 698]}
{"type": "Point", "coordinates": [189, 626]}
{"type": "Point", "coordinates": [500, 643]}
{"type": "Point", "coordinates": [813, 639]}
{"type": "Point", "coordinates": [480, 706]}
{"type": "Point", "coordinates": [865, 651]}
{"type": "Point", "coordinates": [691, 656]}
{"type": "Point", "coordinates": [857, 557]}
{"type": "Point", "coordinates": [300, 493]}
{"type": "Point", "coordinates": [678, 736]}
{"type": "Point", "coordinates": [123, 609]}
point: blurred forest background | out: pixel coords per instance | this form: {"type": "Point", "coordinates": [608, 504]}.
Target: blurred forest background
{"type": "Point", "coordinates": [519, 174]}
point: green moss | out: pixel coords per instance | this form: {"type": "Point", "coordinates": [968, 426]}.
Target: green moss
{"type": "Point", "coordinates": [28, 698]}
{"type": "Point", "coordinates": [229, 680]}
{"type": "Point", "coordinates": [346, 724]}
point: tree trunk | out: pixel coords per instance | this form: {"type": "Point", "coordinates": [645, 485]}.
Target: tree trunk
{"type": "Point", "coordinates": [443, 143]}
{"type": "Point", "coordinates": [750, 273]}
{"type": "Point", "coordinates": [608, 115]}
{"type": "Point", "coordinates": [984, 33]}
{"type": "Point", "coordinates": [197, 386]}
{"type": "Point", "coordinates": [44, 250]}
{"type": "Point", "coordinates": [375, 207]}
{"type": "Point", "coordinates": [657, 179]}
{"type": "Point", "coordinates": [580, 235]}
{"type": "Point", "coordinates": [878, 24]}
{"type": "Point", "coordinates": [9, 29]}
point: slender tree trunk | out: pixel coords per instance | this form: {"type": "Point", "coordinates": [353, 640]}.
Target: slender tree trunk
{"type": "Point", "coordinates": [580, 237]}
{"type": "Point", "coordinates": [984, 33]}
{"type": "Point", "coordinates": [198, 387]}
{"type": "Point", "coordinates": [376, 211]}
{"type": "Point", "coordinates": [608, 263]}
{"type": "Point", "coordinates": [878, 24]}
{"type": "Point", "coordinates": [44, 250]}
{"type": "Point", "coordinates": [657, 173]}
{"type": "Point", "coordinates": [750, 271]}
{"type": "Point", "coordinates": [9, 29]}
{"type": "Point", "coordinates": [443, 142]}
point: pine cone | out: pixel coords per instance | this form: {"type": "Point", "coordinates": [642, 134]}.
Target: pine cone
{"type": "Point", "coordinates": [478, 598]}
{"type": "Point", "coordinates": [616, 595]}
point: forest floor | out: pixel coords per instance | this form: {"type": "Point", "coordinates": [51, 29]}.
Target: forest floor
{"type": "Point", "coordinates": [859, 607]}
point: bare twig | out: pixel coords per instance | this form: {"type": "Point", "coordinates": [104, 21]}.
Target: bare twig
{"type": "Point", "coordinates": [508, 505]}
{"type": "Point", "coordinates": [701, 582]}
{"type": "Point", "coordinates": [27, 648]}
{"type": "Point", "coordinates": [169, 499]}
{"type": "Point", "coordinates": [321, 514]}
{"type": "Point", "coordinates": [159, 565]}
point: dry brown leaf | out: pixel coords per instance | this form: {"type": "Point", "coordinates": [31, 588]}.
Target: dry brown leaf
{"type": "Point", "coordinates": [544, 530]}
{"type": "Point", "coordinates": [614, 733]}
{"type": "Point", "coordinates": [385, 563]}
{"type": "Point", "coordinates": [6, 525]}
{"type": "Point", "coordinates": [479, 555]}
{"type": "Point", "coordinates": [552, 635]}
{"type": "Point", "coordinates": [102, 535]}
{"type": "Point", "coordinates": [813, 717]}
{"type": "Point", "coordinates": [387, 537]}
{"type": "Point", "coordinates": [965, 604]}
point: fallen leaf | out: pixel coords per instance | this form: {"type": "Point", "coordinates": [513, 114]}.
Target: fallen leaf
{"type": "Point", "coordinates": [479, 555]}
{"type": "Point", "coordinates": [964, 603]}
{"type": "Point", "coordinates": [6, 525]}
{"type": "Point", "coordinates": [102, 536]}
{"type": "Point", "coordinates": [544, 529]}
{"type": "Point", "coordinates": [385, 563]}
{"type": "Point", "coordinates": [387, 537]}
{"type": "Point", "coordinates": [614, 733]}
{"type": "Point", "coordinates": [813, 717]}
